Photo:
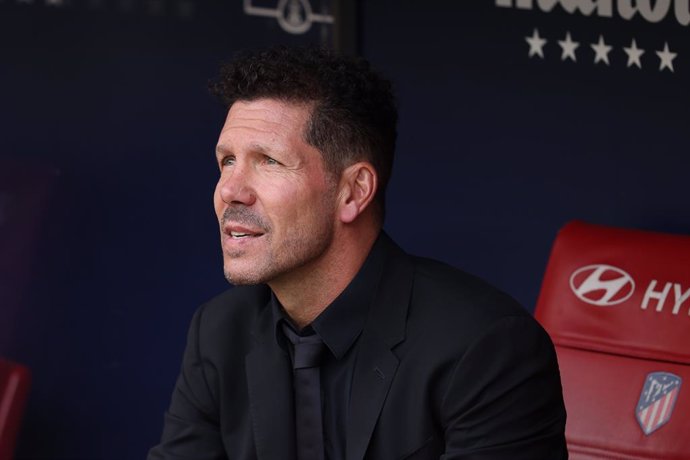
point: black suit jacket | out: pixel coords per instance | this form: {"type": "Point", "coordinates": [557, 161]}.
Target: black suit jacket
{"type": "Point", "coordinates": [447, 367]}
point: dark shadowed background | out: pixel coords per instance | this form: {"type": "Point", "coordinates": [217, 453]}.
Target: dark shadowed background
{"type": "Point", "coordinates": [108, 240]}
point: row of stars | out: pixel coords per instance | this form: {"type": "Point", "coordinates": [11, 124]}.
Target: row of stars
{"type": "Point", "coordinates": [601, 51]}
{"type": "Point", "coordinates": [184, 8]}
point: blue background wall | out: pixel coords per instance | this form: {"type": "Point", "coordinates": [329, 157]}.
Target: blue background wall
{"type": "Point", "coordinates": [106, 145]}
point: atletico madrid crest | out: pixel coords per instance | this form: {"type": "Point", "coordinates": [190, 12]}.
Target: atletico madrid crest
{"type": "Point", "coordinates": [657, 400]}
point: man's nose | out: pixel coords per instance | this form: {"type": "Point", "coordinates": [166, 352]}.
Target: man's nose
{"type": "Point", "coordinates": [236, 186]}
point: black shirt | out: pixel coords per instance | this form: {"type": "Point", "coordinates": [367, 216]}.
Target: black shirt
{"type": "Point", "coordinates": [339, 326]}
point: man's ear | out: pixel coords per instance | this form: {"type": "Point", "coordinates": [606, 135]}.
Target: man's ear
{"type": "Point", "coordinates": [358, 185]}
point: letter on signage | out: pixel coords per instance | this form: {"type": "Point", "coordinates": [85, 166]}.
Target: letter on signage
{"type": "Point", "coordinates": [522, 4]}
{"type": "Point", "coordinates": [650, 10]}
{"type": "Point", "coordinates": [683, 12]}
{"type": "Point", "coordinates": [628, 8]}
{"type": "Point", "coordinates": [680, 298]}
{"type": "Point", "coordinates": [604, 7]}
{"type": "Point", "coordinates": [586, 7]}
{"type": "Point", "coordinates": [660, 296]}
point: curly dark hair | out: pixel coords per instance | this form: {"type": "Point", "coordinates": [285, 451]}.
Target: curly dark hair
{"type": "Point", "coordinates": [354, 114]}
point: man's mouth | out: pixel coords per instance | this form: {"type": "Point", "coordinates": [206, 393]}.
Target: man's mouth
{"type": "Point", "coordinates": [241, 224]}
{"type": "Point", "coordinates": [240, 235]}
{"type": "Point", "coordinates": [240, 232]}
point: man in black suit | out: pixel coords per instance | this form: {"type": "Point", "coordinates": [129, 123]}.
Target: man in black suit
{"type": "Point", "coordinates": [335, 344]}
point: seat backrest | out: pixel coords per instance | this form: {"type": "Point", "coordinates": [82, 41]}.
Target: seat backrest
{"type": "Point", "coordinates": [14, 390]}
{"type": "Point", "coordinates": [616, 303]}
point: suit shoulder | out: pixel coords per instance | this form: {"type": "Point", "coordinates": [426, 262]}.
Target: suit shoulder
{"type": "Point", "coordinates": [450, 310]}
{"type": "Point", "coordinates": [450, 293]}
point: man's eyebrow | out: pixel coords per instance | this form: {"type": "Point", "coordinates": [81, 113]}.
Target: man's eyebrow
{"type": "Point", "coordinates": [224, 149]}
{"type": "Point", "coordinates": [260, 148]}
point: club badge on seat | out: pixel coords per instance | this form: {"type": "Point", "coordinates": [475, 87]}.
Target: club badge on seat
{"type": "Point", "coordinates": [657, 400]}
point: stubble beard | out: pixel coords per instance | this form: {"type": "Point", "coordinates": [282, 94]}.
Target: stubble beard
{"type": "Point", "coordinates": [304, 245]}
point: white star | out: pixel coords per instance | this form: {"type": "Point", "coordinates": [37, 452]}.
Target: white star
{"type": "Point", "coordinates": [569, 47]}
{"type": "Point", "coordinates": [666, 58]}
{"type": "Point", "coordinates": [536, 44]}
{"type": "Point", "coordinates": [634, 53]}
{"type": "Point", "coordinates": [601, 51]}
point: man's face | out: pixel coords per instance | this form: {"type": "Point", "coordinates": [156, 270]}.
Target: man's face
{"type": "Point", "coordinates": [275, 201]}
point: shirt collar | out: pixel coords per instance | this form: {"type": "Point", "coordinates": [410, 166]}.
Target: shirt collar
{"type": "Point", "coordinates": [342, 321]}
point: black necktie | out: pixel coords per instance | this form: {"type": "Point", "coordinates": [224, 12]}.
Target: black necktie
{"type": "Point", "coordinates": [308, 351]}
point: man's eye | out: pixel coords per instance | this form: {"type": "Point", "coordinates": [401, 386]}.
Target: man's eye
{"type": "Point", "coordinates": [271, 161]}
{"type": "Point", "coordinates": [227, 161]}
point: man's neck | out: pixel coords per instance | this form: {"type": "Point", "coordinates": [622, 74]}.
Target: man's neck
{"type": "Point", "coordinates": [308, 291]}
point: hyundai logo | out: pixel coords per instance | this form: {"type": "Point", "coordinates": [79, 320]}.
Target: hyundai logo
{"type": "Point", "coordinates": [602, 285]}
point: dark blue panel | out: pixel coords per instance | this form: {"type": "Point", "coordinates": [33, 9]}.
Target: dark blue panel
{"type": "Point", "coordinates": [497, 150]}
{"type": "Point", "coordinates": [112, 95]}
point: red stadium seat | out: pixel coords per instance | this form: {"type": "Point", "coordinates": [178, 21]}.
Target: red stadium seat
{"type": "Point", "coordinates": [617, 305]}
{"type": "Point", "coordinates": [14, 389]}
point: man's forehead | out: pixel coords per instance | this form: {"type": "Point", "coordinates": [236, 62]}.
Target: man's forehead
{"type": "Point", "coordinates": [263, 126]}
{"type": "Point", "coordinates": [269, 110]}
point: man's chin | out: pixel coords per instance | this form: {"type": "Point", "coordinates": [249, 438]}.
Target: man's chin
{"type": "Point", "coordinates": [242, 278]}
{"type": "Point", "coordinates": [239, 280]}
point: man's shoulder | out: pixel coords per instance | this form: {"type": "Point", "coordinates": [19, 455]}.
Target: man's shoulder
{"type": "Point", "coordinates": [441, 292]}
{"type": "Point", "coordinates": [450, 310]}
{"type": "Point", "coordinates": [447, 293]}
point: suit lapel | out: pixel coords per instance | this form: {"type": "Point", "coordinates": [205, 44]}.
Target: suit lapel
{"type": "Point", "coordinates": [376, 363]}
{"type": "Point", "coordinates": [374, 373]}
{"type": "Point", "coordinates": [270, 396]}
